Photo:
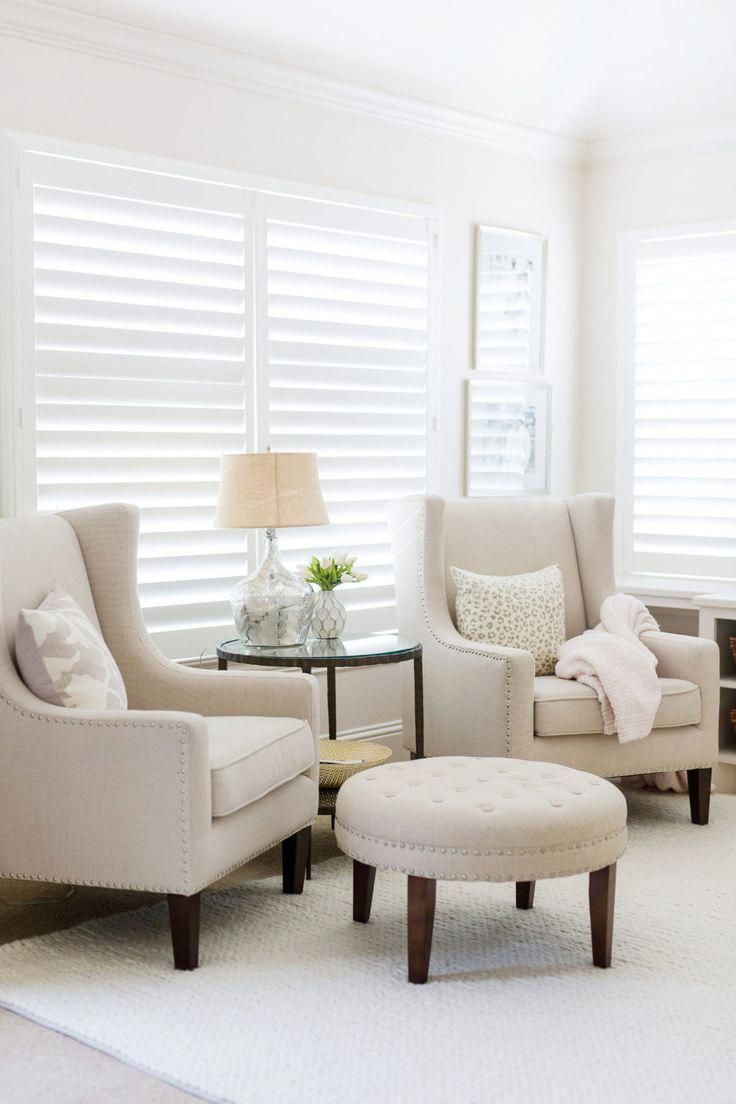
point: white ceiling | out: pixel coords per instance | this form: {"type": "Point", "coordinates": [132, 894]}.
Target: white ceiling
{"type": "Point", "coordinates": [587, 69]}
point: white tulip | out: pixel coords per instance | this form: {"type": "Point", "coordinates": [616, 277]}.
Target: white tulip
{"type": "Point", "coordinates": [358, 576]}
{"type": "Point", "coordinates": [325, 563]}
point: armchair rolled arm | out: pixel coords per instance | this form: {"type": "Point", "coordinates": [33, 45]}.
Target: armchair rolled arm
{"type": "Point", "coordinates": [695, 659]}
{"type": "Point", "coordinates": [685, 657]}
{"type": "Point", "coordinates": [114, 798]}
{"type": "Point", "coordinates": [167, 685]}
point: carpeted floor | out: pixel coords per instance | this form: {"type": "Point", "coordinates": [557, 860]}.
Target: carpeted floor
{"type": "Point", "coordinates": [40, 1066]}
{"type": "Point", "coordinates": [294, 1002]}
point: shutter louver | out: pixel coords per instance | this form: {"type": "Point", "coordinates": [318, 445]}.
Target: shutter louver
{"type": "Point", "coordinates": [140, 372]}
{"type": "Point", "coordinates": [684, 405]}
{"type": "Point", "coordinates": [347, 323]}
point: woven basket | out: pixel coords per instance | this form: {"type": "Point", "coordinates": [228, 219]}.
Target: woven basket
{"type": "Point", "coordinates": [732, 642]}
{"type": "Point", "coordinates": [333, 774]}
{"type": "Point", "coordinates": [732, 715]}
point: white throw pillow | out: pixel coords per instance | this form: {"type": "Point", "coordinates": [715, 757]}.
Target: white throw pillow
{"type": "Point", "coordinates": [516, 611]}
{"type": "Point", "coordinates": [63, 659]}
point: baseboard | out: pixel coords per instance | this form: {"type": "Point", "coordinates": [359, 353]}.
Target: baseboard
{"type": "Point", "coordinates": [388, 733]}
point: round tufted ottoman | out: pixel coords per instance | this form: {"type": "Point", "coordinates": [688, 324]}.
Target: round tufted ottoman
{"type": "Point", "coordinates": [493, 820]}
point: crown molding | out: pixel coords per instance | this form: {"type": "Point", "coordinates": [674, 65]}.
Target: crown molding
{"type": "Point", "coordinates": [91, 34]}
{"type": "Point", "coordinates": [657, 145]}
{"type": "Point", "coordinates": [46, 23]}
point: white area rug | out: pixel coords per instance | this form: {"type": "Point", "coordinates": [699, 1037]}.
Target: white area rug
{"type": "Point", "coordinates": [294, 1002]}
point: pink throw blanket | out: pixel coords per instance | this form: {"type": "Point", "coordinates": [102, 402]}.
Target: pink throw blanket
{"type": "Point", "coordinates": [612, 660]}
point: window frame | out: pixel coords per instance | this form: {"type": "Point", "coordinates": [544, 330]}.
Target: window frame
{"type": "Point", "coordinates": [17, 368]}
{"type": "Point", "coordinates": [625, 366]}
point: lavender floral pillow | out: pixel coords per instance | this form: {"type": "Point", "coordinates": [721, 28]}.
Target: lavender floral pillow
{"type": "Point", "coordinates": [63, 659]}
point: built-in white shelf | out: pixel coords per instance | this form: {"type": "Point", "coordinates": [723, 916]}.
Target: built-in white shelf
{"type": "Point", "coordinates": [717, 621]}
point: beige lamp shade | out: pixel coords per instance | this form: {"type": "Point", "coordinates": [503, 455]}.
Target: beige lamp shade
{"type": "Point", "coordinates": [269, 490]}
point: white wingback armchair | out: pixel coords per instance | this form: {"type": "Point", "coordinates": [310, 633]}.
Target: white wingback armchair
{"type": "Point", "coordinates": [482, 699]}
{"type": "Point", "coordinates": [203, 771]}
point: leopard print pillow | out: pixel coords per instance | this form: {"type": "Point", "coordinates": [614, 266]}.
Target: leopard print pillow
{"type": "Point", "coordinates": [516, 611]}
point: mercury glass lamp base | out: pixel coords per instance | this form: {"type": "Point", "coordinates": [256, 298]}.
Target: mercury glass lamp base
{"type": "Point", "coordinates": [272, 607]}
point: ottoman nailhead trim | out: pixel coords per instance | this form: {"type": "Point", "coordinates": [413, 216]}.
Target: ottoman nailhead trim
{"type": "Point", "coordinates": [512, 851]}
{"type": "Point", "coordinates": [491, 876]}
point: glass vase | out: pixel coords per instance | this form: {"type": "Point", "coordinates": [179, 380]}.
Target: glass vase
{"type": "Point", "coordinates": [329, 616]}
{"type": "Point", "coordinates": [272, 607]}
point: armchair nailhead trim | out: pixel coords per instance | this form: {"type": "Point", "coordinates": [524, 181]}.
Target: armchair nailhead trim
{"type": "Point", "coordinates": [73, 880]}
{"type": "Point", "coordinates": [455, 647]}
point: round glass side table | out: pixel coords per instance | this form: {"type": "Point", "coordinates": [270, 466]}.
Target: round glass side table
{"type": "Point", "coordinates": [349, 651]}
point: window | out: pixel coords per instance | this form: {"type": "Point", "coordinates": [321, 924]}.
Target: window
{"type": "Point", "coordinates": [679, 423]}
{"type": "Point", "coordinates": [345, 365]}
{"type": "Point", "coordinates": [170, 319]}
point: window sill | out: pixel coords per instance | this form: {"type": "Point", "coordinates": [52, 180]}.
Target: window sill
{"type": "Point", "coordinates": [670, 593]}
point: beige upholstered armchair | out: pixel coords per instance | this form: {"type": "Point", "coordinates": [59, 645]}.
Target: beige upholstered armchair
{"type": "Point", "coordinates": [482, 699]}
{"type": "Point", "coordinates": [203, 771]}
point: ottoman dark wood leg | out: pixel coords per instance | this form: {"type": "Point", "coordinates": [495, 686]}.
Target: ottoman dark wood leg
{"type": "Point", "coordinates": [364, 878]}
{"type": "Point", "coordinates": [602, 894]}
{"type": "Point", "coordinates": [525, 894]}
{"type": "Point", "coordinates": [420, 921]}
{"type": "Point", "coordinates": [698, 787]}
{"type": "Point", "coordinates": [294, 855]}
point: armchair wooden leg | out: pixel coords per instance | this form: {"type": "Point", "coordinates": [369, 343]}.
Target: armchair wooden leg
{"type": "Point", "coordinates": [525, 894]}
{"type": "Point", "coordinates": [698, 786]}
{"type": "Point", "coordinates": [420, 922]}
{"type": "Point", "coordinates": [184, 922]}
{"type": "Point", "coordinates": [294, 855]}
{"type": "Point", "coordinates": [364, 878]}
{"type": "Point", "coordinates": [602, 895]}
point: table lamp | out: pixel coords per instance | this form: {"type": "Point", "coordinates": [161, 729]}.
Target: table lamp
{"type": "Point", "coordinates": [272, 607]}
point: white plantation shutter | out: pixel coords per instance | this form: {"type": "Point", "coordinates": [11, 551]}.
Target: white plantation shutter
{"type": "Point", "coordinates": [345, 316]}
{"type": "Point", "coordinates": [681, 352]}
{"type": "Point", "coordinates": [139, 336]}
{"type": "Point", "coordinates": [509, 291]}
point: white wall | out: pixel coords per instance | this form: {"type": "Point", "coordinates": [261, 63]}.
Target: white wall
{"type": "Point", "coordinates": [617, 198]}
{"type": "Point", "coordinates": [60, 93]}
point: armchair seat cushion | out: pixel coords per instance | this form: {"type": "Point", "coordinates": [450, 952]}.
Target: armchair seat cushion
{"type": "Point", "coordinates": [564, 707]}
{"type": "Point", "coordinates": [250, 756]}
